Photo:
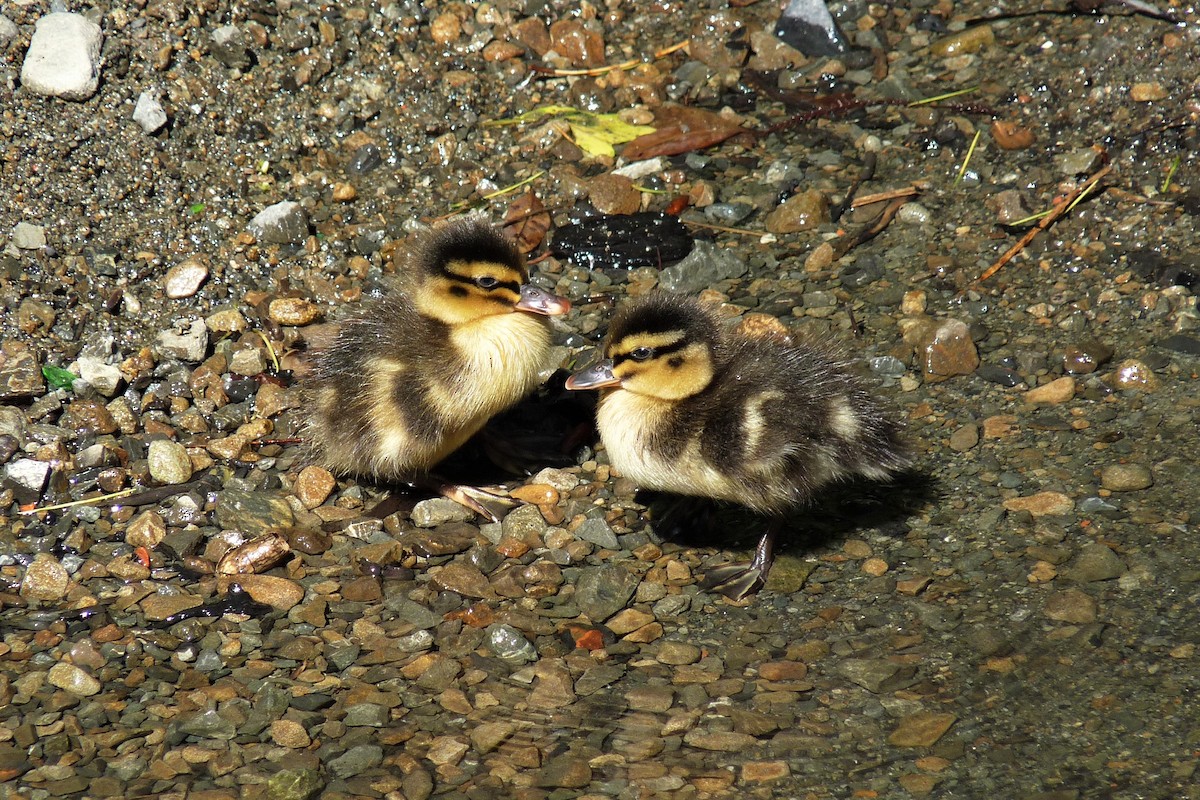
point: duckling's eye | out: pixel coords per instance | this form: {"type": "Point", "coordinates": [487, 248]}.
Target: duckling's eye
{"type": "Point", "coordinates": [486, 282]}
{"type": "Point", "coordinates": [641, 353]}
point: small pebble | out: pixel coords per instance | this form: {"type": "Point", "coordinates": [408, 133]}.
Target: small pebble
{"type": "Point", "coordinates": [185, 278]}
{"type": "Point", "coordinates": [1126, 477]}
{"type": "Point", "coordinates": [63, 59]}
{"type": "Point", "coordinates": [169, 462]}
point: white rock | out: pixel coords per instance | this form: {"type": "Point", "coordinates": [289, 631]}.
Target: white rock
{"type": "Point", "coordinates": [188, 342]}
{"type": "Point", "coordinates": [8, 30]}
{"type": "Point", "coordinates": [28, 236]}
{"type": "Point", "coordinates": [105, 378]}
{"type": "Point", "coordinates": [149, 113]}
{"type": "Point", "coordinates": [283, 223]}
{"type": "Point", "coordinates": [64, 57]}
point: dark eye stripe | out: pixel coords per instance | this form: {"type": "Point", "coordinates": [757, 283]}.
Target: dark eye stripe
{"type": "Point", "coordinates": [661, 350]}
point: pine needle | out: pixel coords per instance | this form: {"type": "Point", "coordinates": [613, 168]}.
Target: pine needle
{"type": "Point", "coordinates": [970, 152]}
{"type": "Point", "coordinates": [941, 97]}
{"type": "Point", "coordinates": [270, 349]}
{"type": "Point", "coordinates": [1166, 184]}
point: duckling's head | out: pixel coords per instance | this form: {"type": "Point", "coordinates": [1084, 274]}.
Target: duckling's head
{"type": "Point", "coordinates": [465, 270]}
{"type": "Point", "coordinates": [661, 345]}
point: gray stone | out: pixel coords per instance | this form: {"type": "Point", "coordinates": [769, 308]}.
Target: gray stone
{"type": "Point", "coordinates": [8, 30]}
{"type": "Point", "coordinates": [598, 533]}
{"type": "Point", "coordinates": [63, 59]}
{"type": "Point", "coordinates": [251, 361]}
{"type": "Point", "coordinates": [356, 760]}
{"type": "Point", "coordinates": [208, 724]}
{"type": "Point", "coordinates": [294, 784]}
{"type": "Point", "coordinates": [1081, 161]}
{"type": "Point", "coordinates": [366, 715]}
{"type": "Point", "coordinates": [27, 478]}
{"type": "Point", "coordinates": [438, 511]}
{"type": "Point", "coordinates": [509, 644]}
{"type": "Point", "coordinates": [283, 223]}
{"type": "Point", "coordinates": [252, 513]}
{"type": "Point", "coordinates": [187, 342]}
{"type": "Point", "coordinates": [603, 591]}
{"type": "Point", "coordinates": [1095, 562]}
{"type": "Point", "coordinates": [148, 113]}
{"type": "Point", "coordinates": [876, 675]}
{"type": "Point", "coordinates": [808, 26]}
{"type": "Point", "coordinates": [14, 423]}
{"type": "Point", "coordinates": [229, 47]}
{"type": "Point", "coordinates": [27, 236]}
{"type": "Point", "coordinates": [704, 266]}
{"type": "Point", "coordinates": [524, 523]}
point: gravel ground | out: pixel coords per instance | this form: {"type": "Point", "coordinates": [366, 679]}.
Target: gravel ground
{"type": "Point", "coordinates": [1018, 618]}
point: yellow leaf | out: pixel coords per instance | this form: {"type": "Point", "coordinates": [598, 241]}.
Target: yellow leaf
{"type": "Point", "coordinates": [595, 134]}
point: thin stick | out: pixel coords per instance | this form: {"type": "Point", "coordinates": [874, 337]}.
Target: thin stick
{"type": "Point", "coordinates": [1060, 208]}
{"type": "Point", "coordinates": [970, 152]}
{"type": "Point", "coordinates": [940, 97]}
{"type": "Point", "coordinates": [593, 71]}
{"type": "Point", "coordinates": [87, 501]}
{"type": "Point", "coordinates": [723, 229]}
{"type": "Point", "coordinates": [879, 197]}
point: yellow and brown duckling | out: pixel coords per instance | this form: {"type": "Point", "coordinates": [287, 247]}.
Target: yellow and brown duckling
{"type": "Point", "coordinates": [690, 408]}
{"type": "Point", "coordinates": [412, 376]}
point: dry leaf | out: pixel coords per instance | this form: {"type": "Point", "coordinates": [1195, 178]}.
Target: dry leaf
{"type": "Point", "coordinates": [681, 130]}
{"type": "Point", "coordinates": [526, 222]}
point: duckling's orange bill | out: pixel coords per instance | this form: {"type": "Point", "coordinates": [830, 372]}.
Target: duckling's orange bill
{"type": "Point", "coordinates": [597, 376]}
{"type": "Point", "coordinates": [539, 301]}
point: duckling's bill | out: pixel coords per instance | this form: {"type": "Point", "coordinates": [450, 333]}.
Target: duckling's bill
{"type": "Point", "coordinates": [539, 301]}
{"type": "Point", "coordinates": [597, 376]}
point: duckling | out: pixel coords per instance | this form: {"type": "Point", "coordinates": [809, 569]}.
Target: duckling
{"type": "Point", "coordinates": [413, 375]}
{"type": "Point", "coordinates": [692, 409]}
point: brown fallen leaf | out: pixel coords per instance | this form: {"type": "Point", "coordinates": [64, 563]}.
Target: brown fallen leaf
{"type": "Point", "coordinates": [681, 130]}
{"type": "Point", "coordinates": [526, 222]}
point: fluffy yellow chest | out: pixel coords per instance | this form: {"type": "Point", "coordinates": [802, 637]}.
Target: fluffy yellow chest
{"type": "Point", "coordinates": [629, 425]}
{"type": "Point", "coordinates": [504, 357]}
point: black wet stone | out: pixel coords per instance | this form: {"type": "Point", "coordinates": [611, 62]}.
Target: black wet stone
{"type": "Point", "coordinates": [648, 239]}
{"type": "Point", "coordinates": [999, 375]}
{"type": "Point", "coordinates": [1181, 343]}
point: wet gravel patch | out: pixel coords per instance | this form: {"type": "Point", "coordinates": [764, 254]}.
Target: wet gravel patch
{"type": "Point", "coordinates": [1019, 618]}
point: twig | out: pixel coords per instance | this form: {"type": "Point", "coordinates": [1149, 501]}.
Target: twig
{"type": "Point", "coordinates": [879, 197]}
{"type": "Point", "coordinates": [970, 152]}
{"type": "Point", "coordinates": [593, 71]}
{"type": "Point", "coordinates": [722, 228]}
{"type": "Point", "coordinates": [87, 501]}
{"type": "Point", "coordinates": [270, 349]}
{"type": "Point", "coordinates": [867, 232]}
{"type": "Point", "coordinates": [1060, 208]}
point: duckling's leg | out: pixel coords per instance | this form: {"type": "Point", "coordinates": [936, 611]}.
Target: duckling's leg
{"type": "Point", "coordinates": [739, 580]}
{"type": "Point", "coordinates": [490, 505]}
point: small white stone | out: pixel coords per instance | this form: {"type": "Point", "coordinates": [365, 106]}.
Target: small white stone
{"type": "Point", "coordinates": [283, 223]}
{"type": "Point", "coordinates": [149, 113]}
{"type": "Point", "coordinates": [27, 236]}
{"type": "Point", "coordinates": [8, 30]}
{"type": "Point", "coordinates": [64, 57]}
{"type": "Point", "coordinates": [105, 378]}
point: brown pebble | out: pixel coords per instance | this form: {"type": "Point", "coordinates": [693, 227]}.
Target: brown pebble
{"type": "Point", "coordinates": [146, 530]}
{"type": "Point", "coordinates": [921, 729]}
{"type": "Point", "coordinates": [628, 620]}
{"type": "Point", "coordinates": [293, 311]}
{"type": "Point", "coordinates": [313, 486]}
{"type": "Point", "coordinates": [875, 567]}
{"type": "Point", "coordinates": [289, 733]}
{"type": "Point", "coordinates": [536, 494]}
{"type": "Point", "coordinates": [614, 194]}
{"type": "Point", "coordinates": [1053, 393]}
{"type": "Point", "coordinates": [580, 45]}
{"type": "Point", "coordinates": [763, 771]}
{"type": "Point", "coordinates": [964, 438]}
{"type": "Point", "coordinates": [185, 278]}
{"type": "Point", "coordinates": [1147, 92]}
{"type": "Point", "coordinates": [802, 211]}
{"type": "Point", "coordinates": [966, 41]}
{"type": "Point", "coordinates": [344, 192]}
{"type": "Point", "coordinates": [310, 541]}
{"type": "Point", "coordinates": [362, 590]}
{"type": "Point", "coordinates": [999, 426]}
{"type": "Point", "coordinates": [783, 670]}
{"type": "Point", "coordinates": [1133, 374]}
{"type": "Point", "coordinates": [1011, 136]}
{"type": "Point", "coordinates": [1042, 504]}
{"type": "Point", "coordinates": [1073, 606]}
{"type": "Point", "coordinates": [1126, 477]}
{"type": "Point", "coordinates": [279, 593]}
{"type": "Point", "coordinates": [445, 28]}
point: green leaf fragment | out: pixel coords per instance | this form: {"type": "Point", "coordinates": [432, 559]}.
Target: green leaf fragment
{"type": "Point", "coordinates": [595, 134]}
{"type": "Point", "coordinates": [58, 377]}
